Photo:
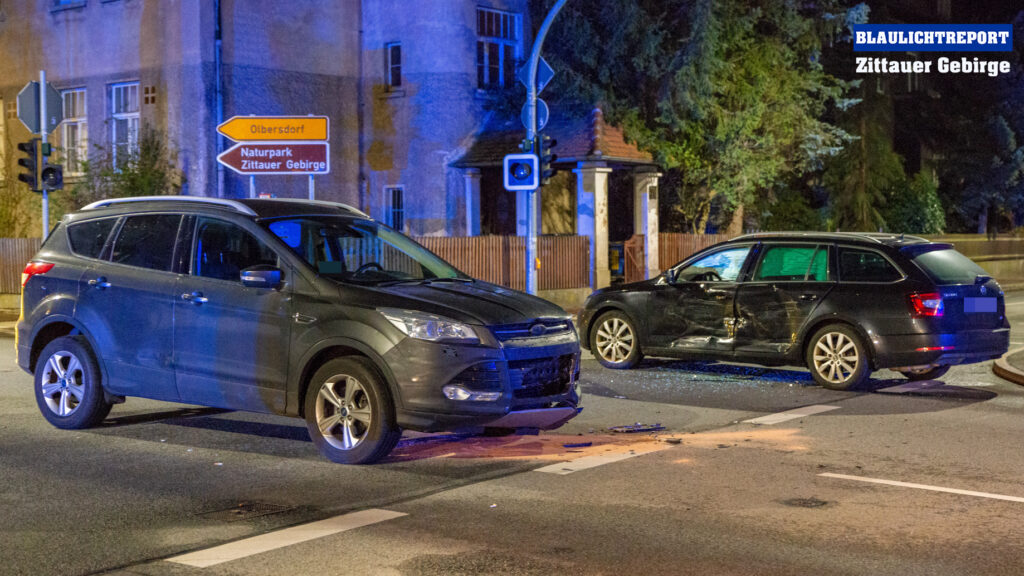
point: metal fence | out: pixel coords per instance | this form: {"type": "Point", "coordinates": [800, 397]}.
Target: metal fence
{"type": "Point", "coordinates": [14, 254]}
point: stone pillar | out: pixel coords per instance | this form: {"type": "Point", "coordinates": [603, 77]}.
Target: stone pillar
{"type": "Point", "coordinates": [472, 188]}
{"type": "Point", "coordinates": [592, 217]}
{"type": "Point", "coordinates": [645, 217]}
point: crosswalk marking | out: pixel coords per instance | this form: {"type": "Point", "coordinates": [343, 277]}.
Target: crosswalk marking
{"type": "Point", "coordinates": [790, 415]}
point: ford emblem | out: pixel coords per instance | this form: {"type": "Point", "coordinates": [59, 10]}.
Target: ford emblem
{"type": "Point", "coordinates": [538, 330]}
{"type": "Point", "coordinates": [983, 290]}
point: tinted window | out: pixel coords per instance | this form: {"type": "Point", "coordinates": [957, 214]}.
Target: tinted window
{"type": "Point", "coordinates": [224, 249]}
{"type": "Point", "coordinates": [949, 267]}
{"type": "Point", "coordinates": [793, 263]}
{"type": "Point", "coordinates": [88, 238]}
{"type": "Point", "coordinates": [722, 266]}
{"type": "Point", "coordinates": [865, 266]}
{"type": "Point", "coordinates": [147, 241]}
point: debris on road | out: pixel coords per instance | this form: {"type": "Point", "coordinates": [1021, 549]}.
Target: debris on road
{"type": "Point", "coordinates": [638, 427]}
{"type": "Point", "coordinates": [577, 445]}
{"type": "Point", "coordinates": [674, 440]}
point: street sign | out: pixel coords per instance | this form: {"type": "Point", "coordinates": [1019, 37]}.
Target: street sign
{"type": "Point", "coordinates": [521, 171]}
{"type": "Point", "coordinates": [263, 128]}
{"type": "Point", "coordinates": [277, 158]}
{"type": "Point", "coordinates": [28, 107]}
{"type": "Point", "coordinates": [542, 115]}
{"type": "Point", "coordinates": [544, 75]}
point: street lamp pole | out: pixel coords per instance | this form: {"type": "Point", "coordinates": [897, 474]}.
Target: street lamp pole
{"type": "Point", "coordinates": [532, 216]}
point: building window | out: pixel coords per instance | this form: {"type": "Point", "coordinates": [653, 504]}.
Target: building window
{"type": "Point", "coordinates": [394, 212]}
{"type": "Point", "coordinates": [149, 95]}
{"type": "Point", "coordinates": [394, 64]}
{"type": "Point", "coordinates": [75, 130]}
{"type": "Point", "coordinates": [497, 47]}
{"type": "Point", "coordinates": [124, 120]}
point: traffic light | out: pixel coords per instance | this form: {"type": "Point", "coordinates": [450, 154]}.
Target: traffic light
{"type": "Point", "coordinates": [31, 163]}
{"type": "Point", "coordinates": [547, 157]}
{"type": "Point", "coordinates": [521, 172]}
{"type": "Point", "coordinates": [51, 177]}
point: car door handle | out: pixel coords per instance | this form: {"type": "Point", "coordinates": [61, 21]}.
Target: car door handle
{"type": "Point", "coordinates": [99, 283]}
{"type": "Point", "coordinates": [718, 294]}
{"type": "Point", "coordinates": [195, 298]}
{"type": "Point", "coordinates": [808, 297]}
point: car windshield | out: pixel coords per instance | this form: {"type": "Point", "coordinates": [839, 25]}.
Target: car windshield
{"type": "Point", "coordinates": [949, 267]}
{"type": "Point", "coordinates": [361, 251]}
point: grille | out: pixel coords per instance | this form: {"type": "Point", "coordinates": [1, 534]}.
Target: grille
{"type": "Point", "coordinates": [542, 377]}
{"type": "Point", "coordinates": [525, 329]}
{"type": "Point", "coordinates": [483, 377]}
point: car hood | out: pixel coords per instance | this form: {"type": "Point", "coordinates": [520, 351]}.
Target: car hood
{"type": "Point", "coordinates": [474, 302]}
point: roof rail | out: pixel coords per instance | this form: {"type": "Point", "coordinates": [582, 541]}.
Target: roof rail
{"type": "Point", "coordinates": [236, 206]}
{"type": "Point", "coordinates": [348, 207]}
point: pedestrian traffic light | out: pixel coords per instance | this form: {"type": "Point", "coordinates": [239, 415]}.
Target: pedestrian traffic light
{"type": "Point", "coordinates": [51, 177]}
{"type": "Point", "coordinates": [547, 157]}
{"type": "Point", "coordinates": [521, 172]}
{"type": "Point", "coordinates": [30, 163]}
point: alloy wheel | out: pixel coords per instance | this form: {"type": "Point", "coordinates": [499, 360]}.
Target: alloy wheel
{"type": "Point", "coordinates": [614, 340]}
{"type": "Point", "coordinates": [343, 412]}
{"type": "Point", "coordinates": [835, 357]}
{"type": "Point", "coordinates": [63, 383]}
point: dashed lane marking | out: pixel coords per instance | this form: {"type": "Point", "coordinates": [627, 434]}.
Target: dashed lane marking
{"type": "Point", "coordinates": [924, 487]}
{"type": "Point", "coordinates": [790, 415]}
{"type": "Point", "coordinates": [563, 468]}
{"type": "Point", "coordinates": [282, 538]}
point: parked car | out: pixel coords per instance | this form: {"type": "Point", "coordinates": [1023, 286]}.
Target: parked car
{"type": "Point", "coordinates": [843, 304]}
{"type": "Point", "coordinates": [307, 309]}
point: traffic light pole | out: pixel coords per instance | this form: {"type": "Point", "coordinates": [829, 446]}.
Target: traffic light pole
{"type": "Point", "coordinates": [532, 216]}
{"type": "Point", "coordinates": [42, 135]}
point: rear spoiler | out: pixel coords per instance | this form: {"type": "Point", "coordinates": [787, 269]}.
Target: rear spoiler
{"type": "Point", "coordinates": [917, 249]}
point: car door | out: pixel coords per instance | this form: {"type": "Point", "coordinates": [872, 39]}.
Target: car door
{"type": "Point", "coordinates": [787, 282]}
{"type": "Point", "coordinates": [692, 310]}
{"type": "Point", "coordinates": [126, 301]}
{"type": "Point", "coordinates": [231, 341]}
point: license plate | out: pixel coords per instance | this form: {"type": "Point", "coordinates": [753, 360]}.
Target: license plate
{"type": "Point", "coordinates": [975, 305]}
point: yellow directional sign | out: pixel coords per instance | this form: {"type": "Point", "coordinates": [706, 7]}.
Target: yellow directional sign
{"type": "Point", "coordinates": [266, 128]}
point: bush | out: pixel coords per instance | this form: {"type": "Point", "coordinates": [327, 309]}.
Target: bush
{"type": "Point", "coordinates": [914, 207]}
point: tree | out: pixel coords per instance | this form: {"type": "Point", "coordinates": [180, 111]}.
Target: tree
{"type": "Point", "coordinates": [914, 207]}
{"type": "Point", "coordinates": [730, 92]}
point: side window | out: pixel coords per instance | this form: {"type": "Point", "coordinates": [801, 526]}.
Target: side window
{"type": "Point", "coordinates": [793, 264]}
{"type": "Point", "coordinates": [723, 266]}
{"type": "Point", "coordinates": [224, 249]}
{"type": "Point", "coordinates": [865, 266]}
{"type": "Point", "coordinates": [88, 238]}
{"type": "Point", "coordinates": [147, 241]}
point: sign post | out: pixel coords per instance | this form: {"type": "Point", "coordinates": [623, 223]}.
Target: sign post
{"type": "Point", "coordinates": [41, 110]}
{"type": "Point", "coordinates": [277, 145]}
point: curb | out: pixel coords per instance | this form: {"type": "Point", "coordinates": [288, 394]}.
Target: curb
{"type": "Point", "coordinates": [1003, 369]}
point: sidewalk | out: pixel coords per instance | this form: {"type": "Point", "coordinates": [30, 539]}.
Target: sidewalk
{"type": "Point", "coordinates": [1011, 366]}
{"type": "Point", "coordinates": [8, 318]}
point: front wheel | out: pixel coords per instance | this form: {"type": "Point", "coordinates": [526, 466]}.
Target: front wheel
{"type": "Point", "coordinates": [614, 342]}
{"type": "Point", "coordinates": [925, 374]}
{"type": "Point", "coordinates": [349, 412]}
{"type": "Point", "coordinates": [837, 358]}
{"type": "Point", "coordinates": [67, 384]}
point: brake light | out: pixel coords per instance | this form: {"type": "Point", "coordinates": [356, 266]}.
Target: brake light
{"type": "Point", "coordinates": [928, 304]}
{"type": "Point", "coordinates": [33, 268]}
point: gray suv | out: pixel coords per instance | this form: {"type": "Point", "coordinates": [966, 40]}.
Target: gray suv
{"type": "Point", "coordinates": [307, 309]}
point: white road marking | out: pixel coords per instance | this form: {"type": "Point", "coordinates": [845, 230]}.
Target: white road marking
{"type": "Point", "coordinates": [563, 468]}
{"type": "Point", "coordinates": [282, 538]}
{"type": "Point", "coordinates": [790, 415]}
{"type": "Point", "coordinates": [924, 487]}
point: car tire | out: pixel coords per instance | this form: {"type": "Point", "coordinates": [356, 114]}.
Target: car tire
{"type": "Point", "coordinates": [929, 374]}
{"type": "Point", "coordinates": [614, 341]}
{"type": "Point", "coordinates": [837, 358]}
{"type": "Point", "coordinates": [67, 384]}
{"type": "Point", "coordinates": [349, 412]}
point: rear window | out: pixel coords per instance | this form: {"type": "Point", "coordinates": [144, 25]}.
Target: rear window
{"type": "Point", "coordinates": [949, 267]}
{"type": "Point", "coordinates": [866, 266]}
{"type": "Point", "coordinates": [88, 238]}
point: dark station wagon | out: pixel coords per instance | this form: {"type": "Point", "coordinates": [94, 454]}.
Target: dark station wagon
{"type": "Point", "coordinates": [306, 309]}
{"type": "Point", "coordinates": [843, 304]}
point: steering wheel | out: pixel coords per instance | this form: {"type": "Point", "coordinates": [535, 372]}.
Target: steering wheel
{"type": "Point", "coordinates": [368, 266]}
{"type": "Point", "coordinates": [711, 276]}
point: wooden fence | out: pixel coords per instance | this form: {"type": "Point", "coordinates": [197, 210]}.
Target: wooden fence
{"type": "Point", "coordinates": [14, 254]}
{"type": "Point", "coordinates": [674, 247]}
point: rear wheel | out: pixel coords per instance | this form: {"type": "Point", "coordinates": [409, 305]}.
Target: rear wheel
{"type": "Point", "coordinates": [925, 374]}
{"type": "Point", "coordinates": [613, 340]}
{"type": "Point", "coordinates": [67, 384]}
{"type": "Point", "coordinates": [349, 412]}
{"type": "Point", "coordinates": [837, 358]}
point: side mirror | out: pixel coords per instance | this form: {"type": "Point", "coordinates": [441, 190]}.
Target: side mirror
{"type": "Point", "coordinates": [262, 276]}
{"type": "Point", "coordinates": [670, 276]}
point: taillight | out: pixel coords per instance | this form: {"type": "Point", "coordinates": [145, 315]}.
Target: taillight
{"type": "Point", "coordinates": [33, 268]}
{"type": "Point", "coordinates": [928, 304]}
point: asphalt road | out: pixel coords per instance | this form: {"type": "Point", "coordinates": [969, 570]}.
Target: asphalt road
{"type": "Point", "coordinates": [897, 478]}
